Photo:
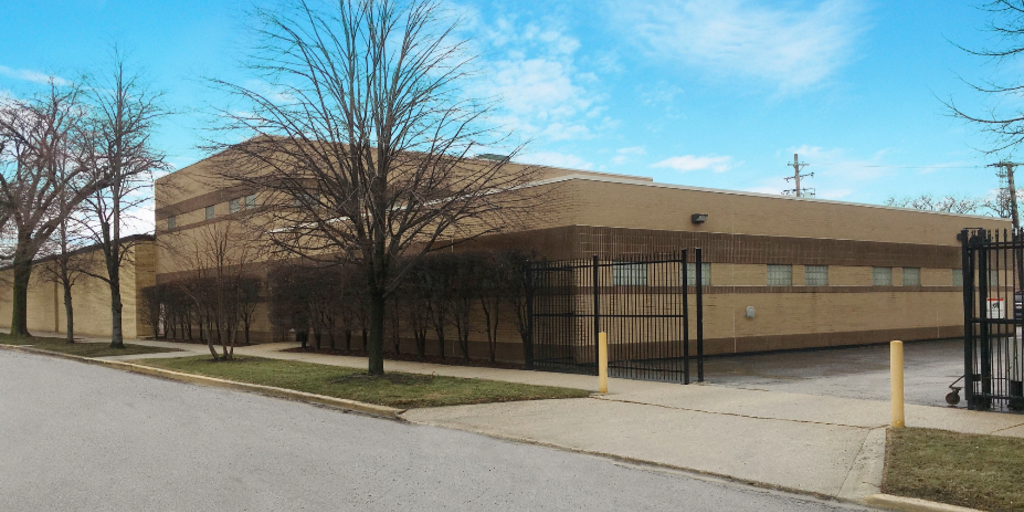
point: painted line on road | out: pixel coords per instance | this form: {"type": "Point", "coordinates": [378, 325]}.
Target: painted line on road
{"type": "Point", "coordinates": [381, 411]}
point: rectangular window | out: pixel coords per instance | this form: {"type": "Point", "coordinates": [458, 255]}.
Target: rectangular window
{"type": "Point", "coordinates": [210, 212]}
{"type": "Point", "coordinates": [234, 205]}
{"type": "Point", "coordinates": [816, 275]}
{"type": "Point", "coordinates": [172, 222]}
{"type": "Point", "coordinates": [705, 274]}
{"type": "Point", "coordinates": [780, 275]}
{"type": "Point", "coordinates": [250, 201]}
{"type": "Point", "coordinates": [629, 274]}
{"type": "Point", "coordinates": [993, 278]}
{"type": "Point", "coordinates": [958, 277]}
{"type": "Point", "coordinates": [881, 276]}
{"type": "Point", "coordinates": [911, 276]}
{"type": "Point", "coordinates": [307, 198]}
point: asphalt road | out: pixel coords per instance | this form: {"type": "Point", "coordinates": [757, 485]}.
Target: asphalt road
{"type": "Point", "coordinates": [85, 438]}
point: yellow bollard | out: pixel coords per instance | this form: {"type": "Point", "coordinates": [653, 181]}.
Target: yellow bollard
{"type": "Point", "coordinates": [602, 362]}
{"type": "Point", "coordinates": [896, 379]}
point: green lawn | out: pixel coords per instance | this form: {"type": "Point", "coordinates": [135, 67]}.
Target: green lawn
{"type": "Point", "coordinates": [401, 390]}
{"type": "Point", "coordinates": [79, 349]}
{"type": "Point", "coordinates": [975, 471]}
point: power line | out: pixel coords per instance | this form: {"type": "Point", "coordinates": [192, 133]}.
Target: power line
{"type": "Point", "coordinates": [907, 166]}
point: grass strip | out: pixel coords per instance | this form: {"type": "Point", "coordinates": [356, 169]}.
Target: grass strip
{"type": "Point", "coordinates": [969, 470]}
{"type": "Point", "coordinates": [400, 390]}
{"type": "Point", "coordinates": [80, 349]}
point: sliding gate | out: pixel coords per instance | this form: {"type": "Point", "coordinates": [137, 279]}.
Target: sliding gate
{"type": "Point", "coordinates": [642, 303]}
{"type": "Point", "coordinates": [993, 278]}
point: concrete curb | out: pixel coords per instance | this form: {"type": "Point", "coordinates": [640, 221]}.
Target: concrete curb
{"type": "Point", "coordinates": [381, 411]}
{"type": "Point", "coordinates": [892, 502]}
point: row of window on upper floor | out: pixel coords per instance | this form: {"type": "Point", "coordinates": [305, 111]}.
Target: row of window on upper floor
{"type": "Point", "coordinates": [635, 274]}
{"type": "Point", "coordinates": [234, 206]}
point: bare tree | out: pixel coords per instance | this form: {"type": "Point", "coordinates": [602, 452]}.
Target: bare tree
{"type": "Point", "coordinates": [362, 152]}
{"type": "Point", "coordinates": [218, 259]}
{"type": "Point", "coordinates": [65, 267]}
{"type": "Point", "coordinates": [949, 203]}
{"type": "Point", "coordinates": [1006, 128]}
{"type": "Point", "coordinates": [44, 175]}
{"type": "Point", "coordinates": [125, 113]}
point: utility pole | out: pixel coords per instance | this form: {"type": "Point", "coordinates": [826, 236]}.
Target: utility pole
{"type": "Point", "coordinates": [1011, 189]}
{"type": "Point", "coordinates": [798, 191]}
{"type": "Point", "coordinates": [1007, 168]}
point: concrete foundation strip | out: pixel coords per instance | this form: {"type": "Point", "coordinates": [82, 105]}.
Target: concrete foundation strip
{"type": "Point", "coordinates": [289, 394]}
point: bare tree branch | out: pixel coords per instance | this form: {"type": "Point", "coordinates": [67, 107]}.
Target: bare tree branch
{"type": "Point", "coordinates": [363, 151]}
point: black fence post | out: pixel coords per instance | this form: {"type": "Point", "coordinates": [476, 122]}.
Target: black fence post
{"type": "Point", "coordinates": [528, 348]}
{"type": "Point", "coordinates": [983, 286]}
{"type": "Point", "coordinates": [967, 281]}
{"type": "Point", "coordinates": [597, 311]}
{"type": "Point", "coordinates": [700, 315]}
{"type": "Point", "coordinates": [686, 320]}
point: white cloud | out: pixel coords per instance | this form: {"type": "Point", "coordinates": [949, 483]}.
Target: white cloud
{"type": "Point", "coordinates": [623, 154]}
{"type": "Point", "coordinates": [687, 163]}
{"type": "Point", "coordinates": [530, 71]}
{"type": "Point", "coordinates": [788, 45]}
{"type": "Point", "coordinates": [555, 159]}
{"type": "Point", "coordinates": [32, 76]}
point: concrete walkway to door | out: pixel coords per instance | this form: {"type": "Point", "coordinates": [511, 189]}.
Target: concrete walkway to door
{"type": "Point", "coordinates": [826, 445]}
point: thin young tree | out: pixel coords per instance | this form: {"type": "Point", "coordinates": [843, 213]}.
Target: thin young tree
{"type": "Point", "coordinates": [362, 141]}
{"type": "Point", "coordinates": [125, 113]}
{"type": "Point", "coordinates": [44, 175]}
{"type": "Point", "coordinates": [219, 260]}
{"type": "Point", "coordinates": [65, 266]}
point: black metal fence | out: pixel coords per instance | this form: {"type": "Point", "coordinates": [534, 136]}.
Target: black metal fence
{"type": "Point", "coordinates": [993, 279]}
{"type": "Point", "coordinates": [642, 304]}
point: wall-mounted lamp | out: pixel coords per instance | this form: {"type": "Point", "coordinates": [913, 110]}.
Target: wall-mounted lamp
{"type": "Point", "coordinates": [699, 218]}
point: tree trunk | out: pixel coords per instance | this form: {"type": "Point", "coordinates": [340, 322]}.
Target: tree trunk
{"type": "Point", "coordinates": [19, 319]}
{"type": "Point", "coordinates": [375, 348]}
{"type": "Point", "coordinates": [348, 340]}
{"type": "Point", "coordinates": [116, 307]}
{"type": "Point", "coordinates": [69, 312]}
{"type": "Point", "coordinates": [439, 330]}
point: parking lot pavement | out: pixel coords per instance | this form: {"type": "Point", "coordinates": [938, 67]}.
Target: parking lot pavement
{"type": "Point", "coordinates": [856, 372]}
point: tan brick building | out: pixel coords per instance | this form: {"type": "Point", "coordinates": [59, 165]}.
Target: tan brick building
{"type": "Point", "coordinates": [90, 296]}
{"type": "Point", "coordinates": [817, 272]}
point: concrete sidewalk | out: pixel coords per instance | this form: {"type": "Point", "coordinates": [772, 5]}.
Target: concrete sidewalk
{"type": "Point", "coordinates": [825, 445]}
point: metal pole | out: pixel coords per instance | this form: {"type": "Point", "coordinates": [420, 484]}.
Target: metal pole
{"type": "Point", "coordinates": [896, 382]}
{"type": "Point", "coordinates": [967, 274]}
{"type": "Point", "coordinates": [602, 363]}
{"type": "Point", "coordinates": [528, 348]}
{"type": "Point", "coordinates": [700, 316]}
{"type": "Point", "coordinates": [597, 310]}
{"type": "Point", "coordinates": [986, 381]}
{"type": "Point", "coordinates": [686, 322]}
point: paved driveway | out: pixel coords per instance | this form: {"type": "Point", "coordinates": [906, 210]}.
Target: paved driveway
{"type": "Point", "coordinates": [859, 372]}
{"type": "Point", "coordinates": [85, 438]}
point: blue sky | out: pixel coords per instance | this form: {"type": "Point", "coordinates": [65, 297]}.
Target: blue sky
{"type": "Point", "coordinates": [709, 93]}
